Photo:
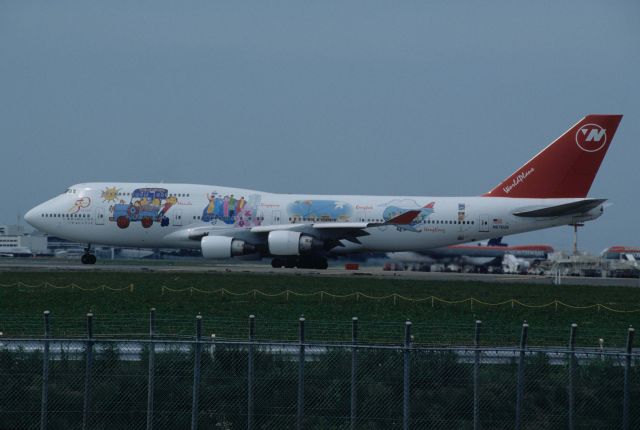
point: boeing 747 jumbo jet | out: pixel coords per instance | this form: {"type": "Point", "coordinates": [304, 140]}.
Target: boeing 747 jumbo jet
{"type": "Point", "coordinates": [302, 230]}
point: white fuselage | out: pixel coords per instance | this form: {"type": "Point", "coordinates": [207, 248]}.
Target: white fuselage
{"type": "Point", "coordinates": [95, 213]}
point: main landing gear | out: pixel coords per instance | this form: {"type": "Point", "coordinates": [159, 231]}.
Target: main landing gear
{"type": "Point", "coordinates": [88, 257]}
{"type": "Point", "coordinates": [301, 262]}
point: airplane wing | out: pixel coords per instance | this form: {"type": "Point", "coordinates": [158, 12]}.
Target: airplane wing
{"type": "Point", "coordinates": [402, 219]}
{"type": "Point", "coordinates": [573, 208]}
{"type": "Point", "coordinates": [331, 232]}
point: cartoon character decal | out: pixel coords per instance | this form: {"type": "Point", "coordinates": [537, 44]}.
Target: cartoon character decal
{"type": "Point", "coordinates": [109, 194]}
{"type": "Point", "coordinates": [320, 210]}
{"type": "Point", "coordinates": [398, 207]}
{"type": "Point", "coordinates": [147, 205]}
{"type": "Point", "coordinates": [229, 209]}
{"type": "Point", "coordinates": [81, 203]}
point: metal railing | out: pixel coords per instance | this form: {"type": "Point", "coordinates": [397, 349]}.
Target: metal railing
{"type": "Point", "coordinates": [205, 383]}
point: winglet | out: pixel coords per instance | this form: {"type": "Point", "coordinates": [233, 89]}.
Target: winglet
{"type": "Point", "coordinates": [429, 206]}
{"type": "Point", "coordinates": [404, 218]}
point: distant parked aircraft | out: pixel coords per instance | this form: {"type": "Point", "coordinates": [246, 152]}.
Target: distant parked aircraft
{"type": "Point", "coordinates": [623, 253]}
{"type": "Point", "coordinates": [479, 256]}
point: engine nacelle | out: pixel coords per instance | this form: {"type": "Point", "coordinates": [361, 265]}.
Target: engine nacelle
{"type": "Point", "coordinates": [224, 247]}
{"type": "Point", "coordinates": [282, 242]}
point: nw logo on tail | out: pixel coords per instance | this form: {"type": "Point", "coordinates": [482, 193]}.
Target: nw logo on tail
{"type": "Point", "coordinates": [591, 137]}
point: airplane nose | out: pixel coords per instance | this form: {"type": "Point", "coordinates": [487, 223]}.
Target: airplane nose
{"type": "Point", "coordinates": [31, 217]}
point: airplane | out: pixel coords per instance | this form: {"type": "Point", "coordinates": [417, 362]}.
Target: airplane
{"type": "Point", "coordinates": [303, 230]}
{"type": "Point", "coordinates": [623, 253]}
{"type": "Point", "coordinates": [478, 256]}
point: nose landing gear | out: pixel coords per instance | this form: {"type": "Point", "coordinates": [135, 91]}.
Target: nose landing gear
{"type": "Point", "coordinates": [88, 257]}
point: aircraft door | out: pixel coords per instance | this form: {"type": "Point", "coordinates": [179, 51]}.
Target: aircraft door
{"type": "Point", "coordinates": [99, 216]}
{"type": "Point", "coordinates": [176, 217]}
{"type": "Point", "coordinates": [464, 222]}
{"type": "Point", "coordinates": [275, 217]}
{"type": "Point", "coordinates": [361, 216]}
{"type": "Point", "coordinates": [464, 225]}
{"type": "Point", "coordinates": [483, 224]}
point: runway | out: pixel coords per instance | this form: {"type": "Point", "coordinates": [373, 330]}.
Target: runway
{"type": "Point", "coordinates": [335, 270]}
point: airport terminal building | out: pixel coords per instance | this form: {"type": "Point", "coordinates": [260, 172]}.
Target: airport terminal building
{"type": "Point", "coordinates": [14, 242]}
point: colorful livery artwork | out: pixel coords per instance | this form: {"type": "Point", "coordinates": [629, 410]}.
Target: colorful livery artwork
{"type": "Point", "coordinates": [319, 210]}
{"type": "Point", "coordinates": [148, 205]}
{"type": "Point", "coordinates": [393, 211]}
{"type": "Point", "coordinates": [231, 210]}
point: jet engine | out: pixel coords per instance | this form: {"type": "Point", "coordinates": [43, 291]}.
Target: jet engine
{"type": "Point", "coordinates": [224, 247]}
{"type": "Point", "coordinates": [291, 243]}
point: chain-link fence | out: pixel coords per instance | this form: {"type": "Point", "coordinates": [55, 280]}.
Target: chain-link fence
{"type": "Point", "coordinates": [444, 332]}
{"type": "Point", "coordinates": [205, 383]}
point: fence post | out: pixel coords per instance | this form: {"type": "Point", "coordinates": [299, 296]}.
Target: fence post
{"type": "Point", "coordinates": [152, 358]}
{"type": "Point", "coordinates": [45, 374]}
{"type": "Point", "coordinates": [476, 377]}
{"type": "Point", "coordinates": [87, 372]}
{"type": "Point", "coordinates": [520, 385]}
{"type": "Point", "coordinates": [627, 376]}
{"type": "Point", "coordinates": [300, 415]}
{"type": "Point", "coordinates": [252, 327]}
{"type": "Point", "coordinates": [197, 346]}
{"type": "Point", "coordinates": [406, 375]}
{"type": "Point", "coordinates": [572, 370]}
{"type": "Point", "coordinates": [354, 371]}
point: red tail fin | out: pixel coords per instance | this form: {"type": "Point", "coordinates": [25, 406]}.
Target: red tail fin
{"type": "Point", "coordinates": [567, 167]}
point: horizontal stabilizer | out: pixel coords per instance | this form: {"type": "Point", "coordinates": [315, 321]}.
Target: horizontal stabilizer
{"type": "Point", "coordinates": [573, 208]}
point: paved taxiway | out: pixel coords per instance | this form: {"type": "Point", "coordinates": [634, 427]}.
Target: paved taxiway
{"type": "Point", "coordinates": [50, 264]}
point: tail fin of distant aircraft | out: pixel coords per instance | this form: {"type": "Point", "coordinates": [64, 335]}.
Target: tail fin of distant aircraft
{"type": "Point", "coordinates": [496, 241]}
{"type": "Point", "coordinates": [566, 168]}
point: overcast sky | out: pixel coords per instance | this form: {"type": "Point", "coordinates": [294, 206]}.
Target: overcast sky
{"type": "Point", "coordinates": [412, 98]}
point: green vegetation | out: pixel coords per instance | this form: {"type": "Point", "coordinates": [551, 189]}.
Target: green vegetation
{"type": "Point", "coordinates": [328, 318]}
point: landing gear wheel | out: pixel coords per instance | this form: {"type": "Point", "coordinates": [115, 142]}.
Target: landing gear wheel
{"type": "Point", "coordinates": [321, 263]}
{"type": "Point", "coordinates": [277, 263]}
{"type": "Point", "coordinates": [290, 262]}
{"type": "Point", "coordinates": [312, 262]}
{"type": "Point", "coordinates": [306, 262]}
{"type": "Point", "coordinates": [88, 259]}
